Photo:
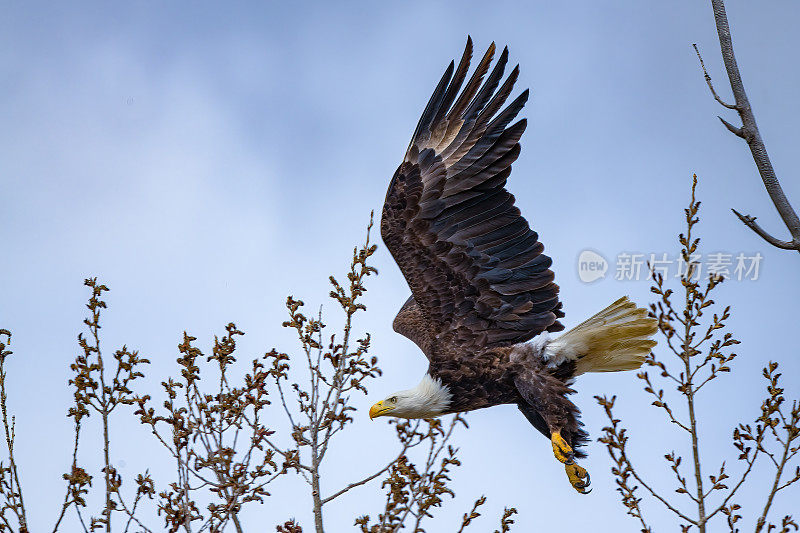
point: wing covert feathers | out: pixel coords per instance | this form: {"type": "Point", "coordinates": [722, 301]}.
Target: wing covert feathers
{"type": "Point", "coordinates": [411, 323]}
{"type": "Point", "coordinates": [476, 269]}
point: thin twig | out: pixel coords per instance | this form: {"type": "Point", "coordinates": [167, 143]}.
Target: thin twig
{"type": "Point", "coordinates": [367, 479]}
{"type": "Point", "coordinates": [708, 81]}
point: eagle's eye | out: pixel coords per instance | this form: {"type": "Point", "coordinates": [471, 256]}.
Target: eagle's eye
{"type": "Point", "coordinates": [393, 399]}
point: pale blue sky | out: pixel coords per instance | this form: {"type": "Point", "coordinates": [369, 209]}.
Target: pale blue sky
{"type": "Point", "coordinates": [206, 161]}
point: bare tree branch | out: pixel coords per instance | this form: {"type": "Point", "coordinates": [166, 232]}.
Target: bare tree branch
{"type": "Point", "coordinates": [750, 222]}
{"type": "Point", "coordinates": [749, 132]}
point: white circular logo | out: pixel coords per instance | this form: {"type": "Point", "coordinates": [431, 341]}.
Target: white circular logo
{"type": "Point", "coordinates": [591, 266]}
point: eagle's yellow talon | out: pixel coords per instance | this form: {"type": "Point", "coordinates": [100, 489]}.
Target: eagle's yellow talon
{"type": "Point", "coordinates": [561, 450]}
{"type": "Point", "coordinates": [578, 478]}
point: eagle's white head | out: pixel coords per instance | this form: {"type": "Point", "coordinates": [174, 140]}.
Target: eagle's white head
{"type": "Point", "coordinates": [429, 399]}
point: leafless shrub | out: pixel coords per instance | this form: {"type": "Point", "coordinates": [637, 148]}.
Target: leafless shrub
{"type": "Point", "coordinates": [213, 427]}
{"type": "Point", "coordinates": [702, 353]}
{"type": "Point", "coordinates": [12, 506]}
{"type": "Point", "coordinates": [97, 390]}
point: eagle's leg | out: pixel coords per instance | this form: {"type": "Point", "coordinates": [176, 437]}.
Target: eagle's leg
{"type": "Point", "coordinates": [548, 409]}
{"type": "Point", "coordinates": [561, 449]}
{"type": "Point", "coordinates": [578, 476]}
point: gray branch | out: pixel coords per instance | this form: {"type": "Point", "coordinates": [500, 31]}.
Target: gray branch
{"type": "Point", "coordinates": [749, 132]}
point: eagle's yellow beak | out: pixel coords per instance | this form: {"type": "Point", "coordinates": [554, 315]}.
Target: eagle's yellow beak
{"type": "Point", "coordinates": [379, 409]}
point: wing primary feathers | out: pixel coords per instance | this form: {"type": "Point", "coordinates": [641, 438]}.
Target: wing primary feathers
{"type": "Point", "coordinates": [488, 88]}
{"type": "Point", "coordinates": [476, 269]}
{"type": "Point", "coordinates": [431, 109]}
{"type": "Point", "coordinates": [511, 112]}
{"type": "Point", "coordinates": [473, 84]}
{"type": "Point", "coordinates": [456, 82]}
{"type": "Point", "coordinates": [490, 163]}
{"type": "Point", "coordinates": [501, 96]}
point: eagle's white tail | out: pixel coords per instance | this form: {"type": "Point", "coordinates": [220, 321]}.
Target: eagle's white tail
{"type": "Point", "coordinates": [617, 338]}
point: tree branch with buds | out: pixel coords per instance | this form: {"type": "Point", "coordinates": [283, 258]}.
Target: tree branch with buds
{"type": "Point", "coordinates": [699, 352]}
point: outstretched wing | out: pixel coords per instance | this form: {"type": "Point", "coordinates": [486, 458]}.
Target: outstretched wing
{"type": "Point", "coordinates": [475, 267]}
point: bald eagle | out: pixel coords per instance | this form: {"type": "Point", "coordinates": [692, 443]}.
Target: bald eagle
{"type": "Point", "coordinates": [483, 301]}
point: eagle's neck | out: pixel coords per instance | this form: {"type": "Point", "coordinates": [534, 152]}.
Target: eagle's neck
{"type": "Point", "coordinates": [429, 399]}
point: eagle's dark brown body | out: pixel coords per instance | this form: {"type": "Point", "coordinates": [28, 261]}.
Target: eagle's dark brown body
{"type": "Point", "coordinates": [496, 376]}
{"type": "Point", "coordinates": [486, 380]}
